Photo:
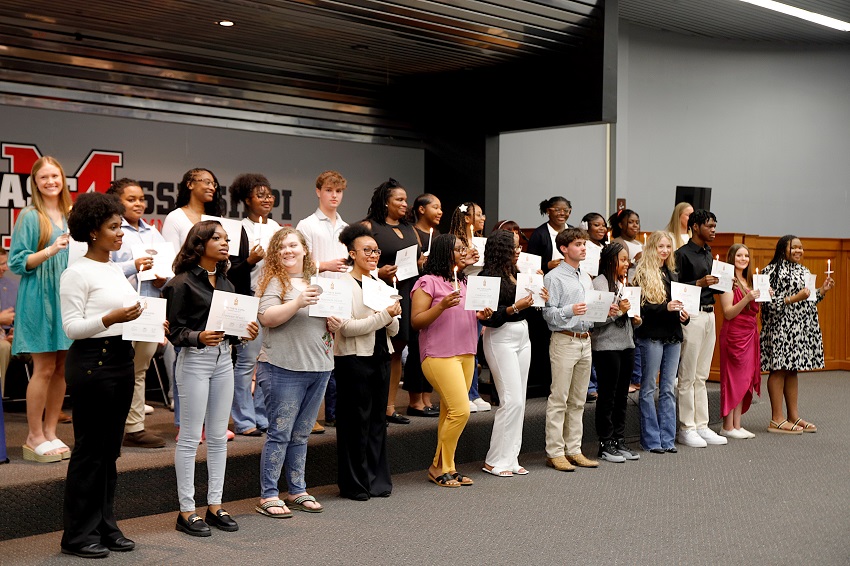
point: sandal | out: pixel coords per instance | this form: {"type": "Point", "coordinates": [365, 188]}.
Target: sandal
{"type": "Point", "coordinates": [777, 427]}
{"type": "Point", "coordinates": [498, 473]}
{"type": "Point", "coordinates": [520, 471]}
{"type": "Point", "coordinates": [807, 427]}
{"type": "Point", "coordinates": [263, 509]}
{"type": "Point", "coordinates": [39, 453]}
{"type": "Point", "coordinates": [297, 504]}
{"type": "Point", "coordinates": [462, 479]}
{"type": "Point", "coordinates": [445, 480]}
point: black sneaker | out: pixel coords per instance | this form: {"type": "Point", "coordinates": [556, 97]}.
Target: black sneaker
{"type": "Point", "coordinates": [608, 451]}
{"type": "Point", "coordinates": [627, 453]}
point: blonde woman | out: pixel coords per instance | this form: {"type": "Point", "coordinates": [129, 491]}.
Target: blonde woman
{"type": "Point", "coordinates": [659, 338]}
{"type": "Point", "coordinates": [38, 255]}
{"type": "Point", "coordinates": [678, 225]}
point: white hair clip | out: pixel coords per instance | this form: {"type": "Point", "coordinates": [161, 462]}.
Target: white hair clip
{"type": "Point", "coordinates": [583, 226]}
{"type": "Point", "coordinates": [462, 208]}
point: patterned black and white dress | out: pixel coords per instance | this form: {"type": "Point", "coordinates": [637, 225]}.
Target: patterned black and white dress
{"type": "Point", "coordinates": [790, 334]}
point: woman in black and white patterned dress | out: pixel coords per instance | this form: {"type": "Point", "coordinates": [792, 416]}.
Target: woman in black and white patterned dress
{"type": "Point", "coordinates": [790, 336]}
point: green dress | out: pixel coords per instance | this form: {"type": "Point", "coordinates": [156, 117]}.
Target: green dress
{"type": "Point", "coordinates": [38, 316]}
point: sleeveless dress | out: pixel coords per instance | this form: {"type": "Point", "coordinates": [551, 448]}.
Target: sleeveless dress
{"type": "Point", "coordinates": [390, 244]}
{"type": "Point", "coordinates": [739, 357]}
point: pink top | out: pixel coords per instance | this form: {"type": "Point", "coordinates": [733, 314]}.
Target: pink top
{"type": "Point", "coordinates": [455, 331]}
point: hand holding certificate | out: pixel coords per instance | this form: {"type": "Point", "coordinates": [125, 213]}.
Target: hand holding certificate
{"type": "Point", "coordinates": [631, 294]}
{"type": "Point", "coordinates": [482, 293]}
{"type": "Point", "coordinates": [761, 283]}
{"type": "Point", "coordinates": [405, 260]}
{"type": "Point", "coordinates": [725, 272]}
{"type": "Point", "coordinates": [688, 295]}
{"type": "Point", "coordinates": [150, 326]}
{"type": "Point", "coordinates": [479, 244]}
{"type": "Point", "coordinates": [162, 254]}
{"type": "Point", "coordinates": [812, 285]}
{"type": "Point", "coordinates": [598, 305]}
{"type": "Point", "coordinates": [377, 295]}
{"type": "Point", "coordinates": [334, 298]}
{"type": "Point", "coordinates": [530, 283]}
{"type": "Point", "coordinates": [231, 313]}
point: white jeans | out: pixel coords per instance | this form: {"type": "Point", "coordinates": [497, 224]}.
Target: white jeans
{"type": "Point", "coordinates": [508, 352]}
{"type": "Point", "coordinates": [694, 366]}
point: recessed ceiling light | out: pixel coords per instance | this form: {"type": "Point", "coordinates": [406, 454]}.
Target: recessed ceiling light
{"type": "Point", "coordinates": [225, 23]}
{"type": "Point", "coordinates": [802, 14]}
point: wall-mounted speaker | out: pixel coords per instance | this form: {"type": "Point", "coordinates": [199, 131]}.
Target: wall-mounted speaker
{"type": "Point", "coordinates": [699, 197]}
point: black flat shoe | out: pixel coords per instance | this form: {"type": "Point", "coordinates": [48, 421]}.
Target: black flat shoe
{"type": "Point", "coordinates": [94, 550]}
{"type": "Point", "coordinates": [355, 496]}
{"type": "Point", "coordinates": [119, 544]}
{"type": "Point", "coordinates": [426, 412]}
{"type": "Point", "coordinates": [658, 451]}
{"type": "Point", "coordinates": [221, 520]}
{"type": "Point", "coordinates": [194, 526]}
{"type": "Point", "coordinates": [671, 450]}
{"type": "Point", "coordinates": [395, 418]}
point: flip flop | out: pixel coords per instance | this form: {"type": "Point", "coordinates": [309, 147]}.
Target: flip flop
{"type": "Point", "coordinates": [498, 473]}
{"type": "Point", "coordinates": [263, 509]}
{"type": "Point", "coordinates": [806, 426]}
{"type": "Point", "coordinates": [777, 428]}
{"type": "Point", "coordinates": [445, 480]}
{"type": "Point", "coordinates": [38, 454]}
{"type": "Point", "coordinates": [58, 445]}
{"type": "Point", "coordinates": [297, 504]}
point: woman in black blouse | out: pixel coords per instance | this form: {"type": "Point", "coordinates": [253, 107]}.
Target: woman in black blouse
{"type": "Point", "coordinates": [508, 352]}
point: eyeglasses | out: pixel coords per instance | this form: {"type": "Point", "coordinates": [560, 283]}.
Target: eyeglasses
{"type": "Point", "coordinates": [461, 250]}
{"type": "Point", "coordinates": [207, 182]}
{"type": "Point", "coordinates": [264, 196]}
{"type": "Point", "coordinates": [561, 210]}
{"type": "Point", "coordinates": [369, 251]}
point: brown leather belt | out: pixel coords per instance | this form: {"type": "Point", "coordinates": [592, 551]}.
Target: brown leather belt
{"type": "Point", "coordinates": [575, 334]}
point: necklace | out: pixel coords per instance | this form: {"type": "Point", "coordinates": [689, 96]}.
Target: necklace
{"type": "Point", "coordinates": [211, 273]}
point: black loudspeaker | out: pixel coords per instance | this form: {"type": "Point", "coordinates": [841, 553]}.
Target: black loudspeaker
{"type": "Point", "coordinates": [699, 197]}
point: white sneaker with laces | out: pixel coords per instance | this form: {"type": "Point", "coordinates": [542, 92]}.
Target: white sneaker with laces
{"type": "Point", "coordinates": [473, 408]}
{"type": "Point", "coordinates": [733, 433]}
{"type": "Point", "coordinates": [711, 437]}
{"type": "Point", "coordinates": [482, 405]}
{"type": "Point", "coordinates": [692, 439]}
{"type": "Point", "coordinates": [747, 433]}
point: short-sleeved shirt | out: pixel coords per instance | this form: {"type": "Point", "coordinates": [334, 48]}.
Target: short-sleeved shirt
{"type": "Point", "coordinates": [455, 331]}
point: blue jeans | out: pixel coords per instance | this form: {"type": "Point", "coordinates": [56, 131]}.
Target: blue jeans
{"type": "Point", "coordinates": [593, 385]}
{"type": "Point", "coordinates": [330, 399]}
{"type": "Point", "coordinates": [293, 399]}
{"type": "Point", "coordinates": [658, 429]}
{"type": "Point", "coordinates": [248, 411]}
{"type": "Point", "coordinates": [636, 372]}
{"type": "Point", "coordinates": [204, 377]}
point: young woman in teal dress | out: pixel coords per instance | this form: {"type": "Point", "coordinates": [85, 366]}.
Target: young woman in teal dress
{"type": "Point", "coordinates": [39, 256]}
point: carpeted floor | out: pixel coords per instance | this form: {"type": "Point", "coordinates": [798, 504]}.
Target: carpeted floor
{"type": "Point", "coordinates": [773, 500]}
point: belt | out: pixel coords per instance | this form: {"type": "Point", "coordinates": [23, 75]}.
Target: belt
{"type": "Point", "coordinates": [706, 308]}
{"type": "Point", "coordinates": [574, 334]}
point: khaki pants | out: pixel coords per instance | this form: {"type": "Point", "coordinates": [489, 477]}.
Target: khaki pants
{"type": "Point", "coordinates": [136, 416]}
{"type": "Point", "coordinates": [694, 366]}
{"type": "Point", "coordinates": [570, 358]}
{"type": "Point", "coordinates": [5, 356]}
{"type": "Point", "coordinates": [451, 378]}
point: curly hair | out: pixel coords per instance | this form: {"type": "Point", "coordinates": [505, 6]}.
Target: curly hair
{"type": "Point", "coordinates": [334, 178]}
{"type": "Point", "coordinates": [378, 209]}
{"type": "Point", "coordinates": [349, 234]}
{"type": "Point", "coordinates": [213, 208]}
{"type": "Point", "coordinates": [647, 274]}
{"type": "Point", "coordinates": [193, 248]}
{"type": "Point", "coordinates": [117, 187]}
{"type": "Point", "coordinates": [274, 263]}
{"type": "Point", "coordinates": [243, 185]}
{"type": "Point", "coordinates": [545, 205]}
{"type": "Point", "coordinates": [700, 217]}
{"type": "Point", "coordinates": [616, 219]}
{"type": "Point", "coordinates": [441, 260]}
{"type": "Point", "coordinates": [45, 226]}
{"type": "Point", "coordinates": [459, 225]}
{"type": "Point", "coordinates": [499, 255]}
{"type": "Point", "coordinates": [90, 211]}
{"type": "Point", "coordinates": [609, 264]}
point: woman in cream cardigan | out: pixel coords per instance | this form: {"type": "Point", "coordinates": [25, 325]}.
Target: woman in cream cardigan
{"type": "Point", "coordinates": [362, 349]}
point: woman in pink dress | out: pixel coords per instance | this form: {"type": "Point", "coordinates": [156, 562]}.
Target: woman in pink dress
{"type": "Point", "coordinates": [740, 361]}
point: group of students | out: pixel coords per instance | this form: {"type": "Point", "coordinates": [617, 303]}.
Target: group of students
{"type": "Point", "coordinates": [300, 356]}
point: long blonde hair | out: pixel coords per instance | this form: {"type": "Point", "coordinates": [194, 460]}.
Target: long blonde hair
{"type": "Point", "coordinates": [647, 273]}
{"type": "Point", "coordinates": [45, 226]}
{"type": "Point", "coordinates": [274, 264]}
{"type": "Point", "coordinates": [675, 227]}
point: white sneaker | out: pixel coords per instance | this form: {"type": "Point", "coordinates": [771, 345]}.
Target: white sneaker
{"type": "Point", "coordinates": [148, 409]}
{"type": "Point", "coordinates": [711, 437]}
{"type": "Point", "coordinates": [482, 405]}
{"type": "Point", "coordinates": [692, 439]}
{"type": "Point", "coordinates": [473, 408]}
{"type": "Point", "coordinates": [734, 433]}
{"type": "Point", "coordinates": [747, 433]}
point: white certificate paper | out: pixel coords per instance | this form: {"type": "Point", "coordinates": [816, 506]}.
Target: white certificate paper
{"type": "Point", "coordinates": [530, 283]}
{"type": "Point", "coordinates": [163, 259]}
{"type": "Point", "coordinates": [233, 228]}
{"type": "Point", "coordinates": [480, 244]}
{"type": "Point", "coordinates": [377, 295]}
{"type": "Point", "coordinates": [598, 305]}
{"type": "Point", "coordinates": [529, 263]}
{"type": "Point", "coordinates": [335, 299]}
{"type": "Point", "coordinates": [687, 294]}
{"type": "Point", "coordinates": [262, 234]}
{"type": "Point", "coordinates": [812, 284]}
{"type": "Point", "coordinates": [761, 283]}
{"type": "Point", "coordinates": [632, 294]}
{"type": "Point", "coordinates": [149, 326]}
{"type": "Point", "coordinates": [482, 292]}
{"type": "Point", "coordinates": [232, 313]}
{"type": "Point", "coordinates": [590, 263]}
{"type": "Point", "coordinates": [405, 259]}
{"type": "Point", "coordinates": [725, 272]}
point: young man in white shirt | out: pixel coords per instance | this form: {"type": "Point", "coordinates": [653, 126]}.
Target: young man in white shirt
{"type": "Point", "coordinates": [321, 230]}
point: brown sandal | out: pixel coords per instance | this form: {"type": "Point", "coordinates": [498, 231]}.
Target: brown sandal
{"type": "Point", "coordinates": [777, 427]}
{"type": "Point", "coordinates": [806, 426]}
{"type": "Point", "coordinates": [445, 480]}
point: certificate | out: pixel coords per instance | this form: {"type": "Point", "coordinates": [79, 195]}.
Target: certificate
{"type": "Point", "coordinates": [334, 300]}
{"type": "Point", "coordinates": [761, 283]}
{"type": "Point", "coordinates": [687, 294]}
{"type": "Point", "coordinates": [405, 260]}
{"type": "Point", "coordinates": [262, 234]}
{"type": "Point", "coordinates": [590, 263]}
{"type": "Point", "coordinates": [634, 248]}
{"type": "Point", "coordinates": [232, 313]}
{"type": "Point", "coordinates": [149, 326]}
{"type": "Point", "coordinates": [529, 263]}
{"type": "Point", "coordinates": [725, 272]}
{"type": "Point", "coordinates": [479, 244]}
{"type": "Point", "coordinates": [233, 228]}
{"type": "Point", "coordinates": [598, 305]}
{"type": "Point", "coordinates": [377, 295]}
{"type": "Point", "coordinates": [530, 283]}
{"type": "Point", "coordinates": [812, 284]}
{"type": "Point", "coordinates": [632, 294]}
{"type": "Point", "coordinates": [482, 292]}
{"type": "Point", "coordinates": [163, 259]}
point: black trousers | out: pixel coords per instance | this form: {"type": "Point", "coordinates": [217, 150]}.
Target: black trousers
{"type": "Point", "coordinates": [362, 386]}
{"type": "Point", "coordinates": [100, 379]}
{"type": "Point", "coordinates": [414, 379]}
{"type": "Point", "coordinates": [613, 374]}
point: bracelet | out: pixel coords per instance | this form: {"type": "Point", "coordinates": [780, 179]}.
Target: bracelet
{"type": "Point", "coordinates": [516, 310]}
{"type": "Point", "coordinates": [46, 252]}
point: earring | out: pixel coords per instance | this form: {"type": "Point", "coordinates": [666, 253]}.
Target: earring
{"type": "Point", "coordinates": [94, 238]}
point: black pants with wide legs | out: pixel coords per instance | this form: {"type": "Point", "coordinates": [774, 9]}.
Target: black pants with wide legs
{"type": "Point", "coordinates": [613, 374]}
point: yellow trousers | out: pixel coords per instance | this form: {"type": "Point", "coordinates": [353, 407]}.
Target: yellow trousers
{"type": "Point", "coordinates": [452, 378]}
